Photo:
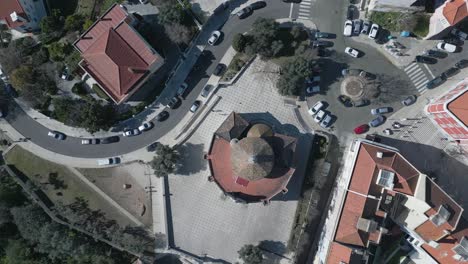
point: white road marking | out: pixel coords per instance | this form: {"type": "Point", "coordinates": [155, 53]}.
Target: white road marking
{"type": "Point", "coordinates": [290, 10]}
{"type": "Point", "coordinates": [430, 72]}
{"type": "Point", "coordinates": [415, 73]}
{"type": "Point", "coordinates": [412, 65]}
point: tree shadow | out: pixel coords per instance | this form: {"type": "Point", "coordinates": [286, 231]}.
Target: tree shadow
{"type": "Point", "coordinates": [329, 73]}
{"type": "Point", "coordinates": [276, 249]}
{"type": "Point", "coordinates": [191, 158]}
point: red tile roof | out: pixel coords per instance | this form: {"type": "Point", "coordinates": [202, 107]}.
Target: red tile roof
{"type": "Point", "coordinates": [9, 6]}
{"type": "Point", "coordinates": [339, 253]}
{"type": "Point", "coordinates": [459, 107]}
{"type": "Point", "coordinates": [455, 11]}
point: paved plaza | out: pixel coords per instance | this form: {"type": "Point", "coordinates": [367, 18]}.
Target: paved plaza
{"type": "Point", "coordinates": [207, 223]}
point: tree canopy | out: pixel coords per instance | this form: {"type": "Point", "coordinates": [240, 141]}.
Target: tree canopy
{"type": "Point", "coordinates": [293, 75]}
{"type": "Point", "coordinates": [165, 161]}
{"type": "Point", "coordinates": [251, 254]}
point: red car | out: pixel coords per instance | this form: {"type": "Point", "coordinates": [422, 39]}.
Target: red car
{"type": "Point", "coordinates": [361, 129]}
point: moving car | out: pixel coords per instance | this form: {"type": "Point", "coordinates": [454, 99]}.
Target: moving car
{"type": "Point", "coordinates": [374, 30]}
{"type": "Point", "coordinates": [365, 27]}
{"type": "Point", "coordinates": [317, 107]}
{"type": "Point", "coordinates": [381, 110]}
{"type": "Point", "coordinates": [319, 116]}
{"type": "Point", "coordinates": [450, 72]}
{"type": "Point", "coordinates": [351, 52]}
{"type": "Point", "coordinates": [182, 88]}
{"type": "Point", "coordinates": [218, 71]}
{"type": "Point", "coordinates": [461, 64]}
{"type": "Point", "coordinates": [348, 28]}
{"type": "Point", "coordinates": [409, 100]}
{"type": "Point", "coordinates": [447, 47]}
{"type": "Point", "coordinates": [244, 12]}
{"type": "Point", "coordinates": [346, 101]}
{"type": "Point", "coordinates": [90, 141]}
{"type": "Point", "coordinates": [206, 90]}
{"type": "Point", "coordinates": [146, 126]}
{"type": "Point", "coordinates": [214, 37]}
{"type": "Point", "coordinates": [435, 82]}
{"type": "Point", "coordinates": [361, 129]}
{"type": "Point", "coordinates": [326, 121]}
{"type": "Point", "coordinates": [424, 59]}
{"type": "Point", "coordinates": [108, 161]}
{"type": "Point", "coordinates": [109, 140]}
{"type": "Point", "coordinates": [131, 132]}
{"type": "Point", "coordinates": [319, 34]}
{"type": "Point", "coordinates": [162, 116]}
{"type": "Point", "coordinates": [258, 5]}
{"type": "Point", "coordinates": [357, 26]}
{"type": "Point", "coordinates": [56, 135]}
{"type": "Point", "coordinates": [377, 121]}
{"type": "Point", "coordinates": [173, 102]}
{"type": "Point", "coordinates": [195, 106]}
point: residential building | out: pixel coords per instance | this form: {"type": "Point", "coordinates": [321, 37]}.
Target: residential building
{"type": "Point", "coordinates": [22, 15]}
{"type": "Point", "coordinates": [115, 55]}
{"type": "Point", "coordinates": [446, 16]}
{"type": "Point", "coordinates": [396, 5]}
{"type": "Point", "coordinates": [450, 113]}
{"type": "Point", "coordinates": [249, 161]}
{"type": "Point", "coordinates": [385, 196]}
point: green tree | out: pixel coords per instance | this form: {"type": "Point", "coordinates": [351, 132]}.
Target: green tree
{"type": "Point", "coordinates": [87, 24]}
{"type": "Point", "coordinates": [41, 56]}
{"type": "Point", "coordinates": [165, 161]}
{"type": "Point", "coordinates": [293, 75]}
{"type": "Point", "coordinates": [22, 77]}
{"type": "Point", "coordinates": [74, 22]}
{"type": "Point", "coordinates": [239, 42]}
{"type": "Point", "coordinates": [264, 32]}
{"type": "Point", "coordinates": [52, 23]}
{"type": "Point", "coordinates": [59, 50]}
{"type": "Point", "coordinates": [170, 13]}
{"type": "Point", "coordinates": [251, 254]}
{"type": "Point", "coordinates": [95, 116]}
{"type": "Point", "coordinates": [72, 61]}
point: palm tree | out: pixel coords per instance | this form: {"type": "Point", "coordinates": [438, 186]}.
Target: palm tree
{"type": "Point", "coordinates": [165, 161]}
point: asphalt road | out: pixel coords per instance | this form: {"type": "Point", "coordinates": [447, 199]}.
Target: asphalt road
{"type": "Point", "coordinates": [37, 133]}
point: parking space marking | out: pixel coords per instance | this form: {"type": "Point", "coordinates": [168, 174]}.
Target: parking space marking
{"type": "Point", "coordinates": [291, 10]}
{"type": "Point", "coordinates": [430, 72]}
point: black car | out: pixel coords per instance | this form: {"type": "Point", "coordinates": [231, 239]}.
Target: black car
{"type": "Point", "coordinates": [424, 59]}
{"type": "Point", "coordinates": [322, 44]}
{"type": "Point", "coordinates": [435, 53]}
{"type": "Point", "coordinates": [162, 116]}
{"type": "Point", "coordinates": [218, 71]}
{"type": "Point", "coordinates": [173, 102]}
{"type": "Point", "coordinates": [435, 82]}
{"type": "Point", "coordinates": [346, 101]}
{"type": "Point", "coordinates": [461, 64]}
{"type": "Point", "coordinates": [244, 12]}
{"type": "Point", "coordinates": [361, 102]}
{"type": "Point", "coordinates": [351, 11]}
{"type": "Point", "coordinates": [109, 140]}
{"type": "Point", "coordinates": [454, 41]}
{"type": "Point", "coordinates": [258, 5]}
{"type": "Point", "coordinates": [152, 147]}
{"type": "Point", "coordinates": [450, 72]}
{"type": "Point", "coordinates": [292, 1]}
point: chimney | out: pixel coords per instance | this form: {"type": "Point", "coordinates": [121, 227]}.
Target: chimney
{"type": "Point", "coordinates": [379, 154]}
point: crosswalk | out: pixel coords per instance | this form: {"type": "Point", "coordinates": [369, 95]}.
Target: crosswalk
{"type": "Point", "coordinates": [417, 76]}
{"type": "Point", "coordinates": [304, 9]}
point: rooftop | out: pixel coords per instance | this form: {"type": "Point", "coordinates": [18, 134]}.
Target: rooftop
{"type": "Point", "coordinates": [455, 11]}
{"type": "Point", "coordinates": [459, 107]}
{"type": "Point", "coordinates": [7, 7]}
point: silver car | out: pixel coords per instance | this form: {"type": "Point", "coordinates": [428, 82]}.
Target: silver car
{"type": "Point", "coordinates": [381, 110]}
{"type": "Point", "coordinates": [377, 121]}
{"type": "Point", "coordinates": [90, 141]}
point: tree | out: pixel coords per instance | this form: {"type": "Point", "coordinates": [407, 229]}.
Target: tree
{"type": "Point", "coordinates": [165, 161]}
{"type": "Point", "coordinates": [74, 22]}
{"type": "Point", "coordinates": [95, 116]}
{"type": "Point", "coordinates": [72, 61]}
{"type": "Point", "coordinates": [22, 77]}
{"type": "Point", "coordinates": [239, 42]}
{"type": "Point", "coordinates": [40, 57]}
{"type": "Point", "coordinates": [59, 50]}
{"type": "Point", "coordinates": [178, 33]}
{"type": "Point", "coordinates": [87, 24]}
{"type": "Point", "coordinates": [52, 23]}
{"type": "Point", "coordinates": [264, 32]}
{"type": "Point", "coordinates": [293, 75]}
{"type": "Point", "coordinates": [170, 13]}
{"type": "Point", "coordinates": [251, 254]}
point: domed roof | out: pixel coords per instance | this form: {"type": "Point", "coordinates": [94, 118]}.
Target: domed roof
{"type": "Point", "coordinates": [252, 158]}
{"type": "Point", "coordinates": [260, 130]}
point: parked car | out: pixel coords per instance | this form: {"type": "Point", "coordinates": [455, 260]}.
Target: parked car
{"type": "Point", "coordinates": [352, 72]}
{"type": "Point", "coordinates": [90, 141]}
{"type": "Point", "coordinates": [214, 37]}
{"type": "Point", "coordinates": [319, 116]}
{"type": "Point", "coordinates": [109, 140]}
{"type": "Point", "coordinates": [377, 121]}
{"type": "Point", "coordinates": [361, 129]}
{"type": "Point", "coordinates": [319, 34]}
{"type": "Point", "coordinates": [152, 147]}
{"type": "Point", "coordinates": [348, 28]}
{"type": "Point", "coordinates": [316, 107]}
{"type": "Point", "coordinates": [56, 135]}
{"type": "Point", "coordinates": [450, 72]}
{"type": "Point", "coordinates": [352, 52]}
{"type": "Point", "coordinates": [435, 53]}
{"type": "Point", "coordinates": [321, 44]}
{"type": "Point", "coordinates": [131, 132]}
{"type": "Point", "coordinates": [458, 33]}
{"type": "Point", "coordinates": [182, 88]}
{"type": "Point", "coordinates": [292, 1]}
{"type": "Point", "coordinates": [219, 70]}
{"type": "Point", "coordinates": [350, 13]}
{"type": "Point", "coordinates": [206, 90]}
{"type": "Point", "coordinates": [108, 161]}
{"type": "Point", "coordinates": [346, 101]}
{"type": "Point", "coordinates": [357, 26]}
{"type": "Point", "coordinates": [258, 5]}
{"type": "Point", "coordinates": [146, 126]}
{"type": "Point", "coordinates": [244, 12]}
{"type": "Point", "coordinates": [374, 31]}
{"type": "Point", "coordinates": [313, 89]}
{"type": "Point", "coordinates": [361, 102]}
{"type": "Point", "coordinates": [65, 74]}
{"type": "Point", "coordinates": [424, 59]}
{"type": "Point", "coordinates": [195, 106]}
{"type": "Point", "coordinates": [454, 41]}
{"type": "Point", "coordinates": [173, 102]}
{"type": "Point", "coordinates": [461, 64]}
{"type": "Point", "coordinates": [409, 100]}
{"type": "Point", "coordinates": [367, 75]}
{"type": "Point", "coordinates": [326, 121]}
{"type": "Point", "coordinates": [365, 27]}
{"type": "Point", "coordinates": [435, 82]}
{"type": "Point", "coordinates": [162, 116]}
{"type": "Point", "coordinates": [312, 79]}
{"type": "Point", "coordinates": [381, 110]}
{"type": "Point", "coordinates": [447, 47]}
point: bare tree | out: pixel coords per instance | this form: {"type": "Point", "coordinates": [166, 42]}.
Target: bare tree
{"type": "Point", "coordinates": [178, 33]}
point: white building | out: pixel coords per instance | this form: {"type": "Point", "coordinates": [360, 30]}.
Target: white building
{"type": "Point", "coordinates": [396, 5]}
{"type": "Point", "coordinates": [22, 15]}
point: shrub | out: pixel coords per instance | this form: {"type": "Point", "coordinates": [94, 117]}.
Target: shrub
{"type": "Point", "coordinates": [100, 92]}
{"type": "Point", "coordinates": [79, 89]}
{"type": "Point", "coordinates": [239, 42]}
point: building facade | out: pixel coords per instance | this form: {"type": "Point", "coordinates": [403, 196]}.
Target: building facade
{"type": "Point", "coordinates": [396, 5]}
{"type": "Point", "coordinates": [450, 113]}
{"type": "Point", "coordinates": [22, 15]}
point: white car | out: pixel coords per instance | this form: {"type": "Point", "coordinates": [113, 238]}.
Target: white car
{"type": "Point", "coordinates": [326, 121]}
{"type": "Point", "coordinates": [108, 161]}
{"type": "Point", "coordinates": [182, 88]}
{"type": "Point", "coordinates": [90, 141]}
{"type": "Point", "coordinates": [313, 89]}
{"type": "Point", "coordinates": [374, 30]}
{"type": "Point", "coordinates": [319, 116]}
{"type": "Point", "coordinates": [214, 37]}
{"type": "Point", "coordinates": [348, 28]}
{"type": "Point", "coordinates": [131, 132]}
{"type": "Point", "coordinates": [56, 135]}
{"type": "Point", "coordinates": [317, 107]}
{"type": "Point", "coordinates": [447, 47]}
{"type": "Point", "coordinates": [351, 52]}
{"type": "Point", "coordinates": [146, 126]}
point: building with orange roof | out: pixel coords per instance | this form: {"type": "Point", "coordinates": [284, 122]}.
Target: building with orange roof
{"type": "Point", "coordinates": [22, 15]}
{"type": "Point", "coordinates": [446, 16]}
{"type": "Point", "coordinates": [385, 192]}
{"type": "Point", "coordinates": [115, 55]}
{"type": "Point", "coordinates": [450, 113]}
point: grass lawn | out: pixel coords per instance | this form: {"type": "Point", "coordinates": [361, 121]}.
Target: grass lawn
{"type": "Point", "coordinates": [106, 4]}
{"type": "Point", "coordinates": [67, 7]}
{"type": "Point", "coordinates": [387, 20]}
{"type": "Point", "coordinates": [38, 170]}
{"type": "Point", "coordinates": [422, 26]}
{"type": "Point", "coordinates": [100, 92]}
{"type": "Point", "coordinates": [85, 7]}
{"type": "Point", "coordinates": [236, 64]}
